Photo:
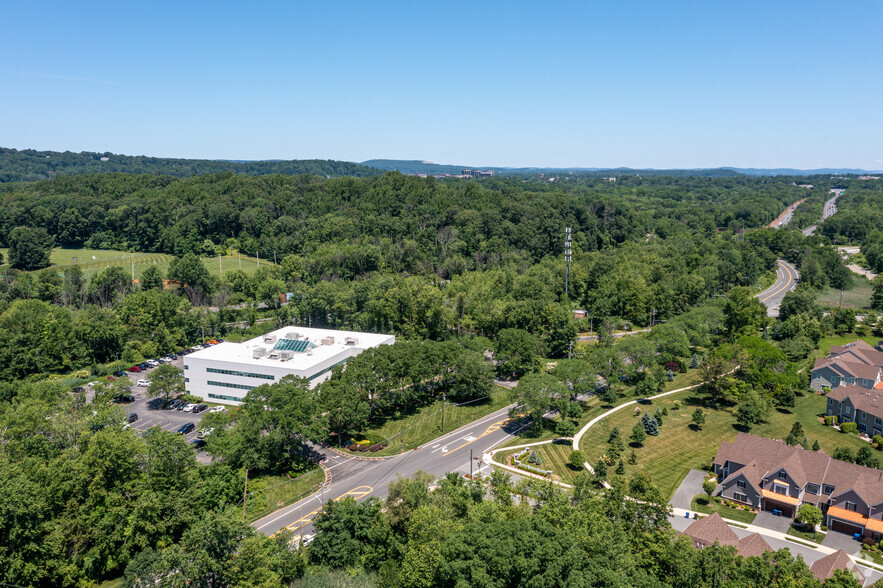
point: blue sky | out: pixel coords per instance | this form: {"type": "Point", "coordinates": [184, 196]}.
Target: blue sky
{"type": "Point", "coordinates": [592, 84]}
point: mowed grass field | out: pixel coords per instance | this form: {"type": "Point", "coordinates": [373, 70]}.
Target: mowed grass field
{"type": "Point", "coordinates": [680, 447]}
{"type": "Point", "coordinates": [554, 456]}
{"type": "Point", "coordinates": [269, 493]}
{"type": "Point", "coordinates": [858, 297]}
{"type": "Point", "coordinates": [92, 261]}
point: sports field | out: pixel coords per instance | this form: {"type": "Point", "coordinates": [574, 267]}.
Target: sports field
{"type": "Point", "coordinates": [96, 260]}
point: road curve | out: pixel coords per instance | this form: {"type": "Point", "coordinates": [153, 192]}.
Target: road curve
{"type": "Point", "coordinates": [787, 277]}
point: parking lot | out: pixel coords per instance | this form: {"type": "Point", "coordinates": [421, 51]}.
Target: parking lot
{"type": "Point", "coordinates": [150, 414]}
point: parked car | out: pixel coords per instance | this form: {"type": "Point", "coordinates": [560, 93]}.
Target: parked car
{"type": "Point", "coordinates": [144, 366]}
{"type": "Point", "coordinates": [199, 408]}
{"type": "Point", "coordinates": [79, 389]}
{"type": "Point", "coordinates": [143, 383]}
{"type": "Point", "coordinates": [217, 409]}
{"type": "Point", "coordinates": [182, 406]}
{"type": "Point", "coordinates": [118, 398]}
{"type": "Point", "coordinates": [189, 407]}
{"type": "Point", "coordinates": [135, 369]}
{"type": "Point", "coordinates": [152, 362]}
{"type": "Point", "coordinates": [197, 444]}
{"type": "Point", "coordinates": [119, 374]}
{"type": "Point", "coordinates": [111, 378]}
{"type": "Point", "coordinates": [175, 403]}
{"type": "Point", "coordinates": [205, 433]}
{"type": "Point", "coordinates": [132, 417]}
{"type": "Point", "coordinates": [186, 428]}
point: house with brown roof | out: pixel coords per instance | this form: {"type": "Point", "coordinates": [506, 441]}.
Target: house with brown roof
{"type": "Point", "coordinates": [824, 568]}
{"type": "Point", "coordinates": [773, 476]}
{"type": "Point", "coordinates": [856, 404]}
{"type": "Point", "coordinates": [712, 529]}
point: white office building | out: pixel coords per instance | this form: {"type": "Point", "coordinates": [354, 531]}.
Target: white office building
{"type": "Point", "coordinates": [226, 372]}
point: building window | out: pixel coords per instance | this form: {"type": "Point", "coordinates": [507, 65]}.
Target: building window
{"type": "Point", "coordinates": [850, 506]}
{"type": "Point", "coordinates": [242, 374]}
{"type": "Point", "coordinates": [222, 397]}
{"type": "Point", "coordinates": [186, 380]}
{"type": "Point", "coordinates": [783, 475]}
{"type": "Point", "coordinates": [878, 421]}
{"type": "Point", "coordinates": [847, 410]}
{"type": "Point", "coordinates": [864, 382]}
{"type": "Point", "coordinates": [828, 489]}
{"type": "Point", "coordinates": [863, 427]}
{"type": "Point", "coordinates": [834, 380]}
{"type": "Point", "coordinates": [326, 370]}
{"type": "Point", "coordinates": [779, 489]}
{"type": "Point", "coordinates": [229, 385]}
{"type": "Point", "coordinates": [186, 367]}
{"type": "Point", "coordinates": [740, 497]}
{"type": "Point", "coordinates": [812, 488]}
{"type": "Point", "coordinates": [741, 484]}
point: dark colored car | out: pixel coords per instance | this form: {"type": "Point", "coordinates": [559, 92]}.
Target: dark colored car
{"type": "Point", "coordinates": [144, 366]}
{"type": "Point", "coordinates": [174, 404]}
{"type": "Point", "coordinates": [79, 389]}
{"type": "Point", "coordinates": [135, 368]}
{"type": "Point", "coordinates": [197, 444]}
{"type": "Point", "coordinates": [181, 406]}
{"type": "Point", "coordinates": [123, 398]}
{"type": "Point", "coordinates": [132, 417]}
{"type": "Point", "coordinates": [199, 408]}
{"type": "Point", "coordinates": [186, 428]}
{"type": "Point", "coordinates": [119, 374]}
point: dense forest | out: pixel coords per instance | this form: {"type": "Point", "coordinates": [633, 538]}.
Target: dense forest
{"type": "Point", "coordinates": [28, 165]}
{"type": "Point", "coordinates": [470, 277]}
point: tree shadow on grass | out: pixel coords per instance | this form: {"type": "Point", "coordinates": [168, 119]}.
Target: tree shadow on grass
{"type": "Point", "coordinates": [783, 410]}
{"type": "Point", "coordinates": [694, 427]}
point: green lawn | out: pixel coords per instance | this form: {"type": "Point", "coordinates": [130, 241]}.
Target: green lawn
{"type": "Point", "coordinates": [94, 260]}
{"type": "Point", "coordinates": [815, 537]}
{"type": "Point", "coordinates": [857, 297]}
{"type": "Point", "coordinates": [700, 504]}
{"type": "Point", "coordinates": [274, 492]}
{"type": "Point", "coordinates": [553, 456]}
{"type": "Point", "coordinates": [425, 424]}
{"type": "Point", "coordinates": [680, 447]}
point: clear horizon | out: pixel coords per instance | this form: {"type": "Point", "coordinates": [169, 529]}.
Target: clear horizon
{"type": "Point", "coordinates": [631, 84]}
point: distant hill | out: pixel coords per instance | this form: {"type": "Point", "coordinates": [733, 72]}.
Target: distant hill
{"type": "Point", "coordinates": [426, 167]}
{"type": "Point", "coordinates": [29, 165]}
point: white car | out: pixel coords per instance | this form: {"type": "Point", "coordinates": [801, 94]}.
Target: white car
{"type": "Point", "coordinates": [143, 383]}
{"type": "Point", "coordinates": [189, 408]}
{"type": "Point", "coordinates": [217, 409]}
{"type": "Point", "coordinates": [205, 433]}
{"type": "Point", "coordinates": [152, 362]}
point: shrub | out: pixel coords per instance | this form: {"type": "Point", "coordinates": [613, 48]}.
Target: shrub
{"type": "Point", "coordinates": [577, 459]}
{"type": "Point", "coordinates": [849, 428]}
{"type": "Point", "coordinates": [665, 412]}
{"type": "Point", "coordinates": [829, 420]}
{"type": "Point", "coordinates": [878, 441]}
{"type": "Point", "coordinates": [676, 405]}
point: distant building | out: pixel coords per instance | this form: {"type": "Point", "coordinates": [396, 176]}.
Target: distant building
{"type": "Point", "coordinates": [477, 173]}
{"type": "Point", "coordinates": [226, 372]}
{"type": "Point", "coordinates": [712, 529]}
{"type": "Point", "coordinates": [609, 179]}
{"type": "Point", "coordinates": [869, 177]}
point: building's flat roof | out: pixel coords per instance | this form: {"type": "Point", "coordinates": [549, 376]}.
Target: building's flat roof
{"type": "Point", "coordinates": [315, 353]}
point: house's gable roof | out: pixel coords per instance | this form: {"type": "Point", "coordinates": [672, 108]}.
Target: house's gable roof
{"type": "Point", "coordinates": [824, 568]}
{"type": "Point", "coordinates": [768, 456]}
{"type": "Point", "coordinates": [848, 367]}
{"type": "Point", "coordinates": [711, 529]}
{"type": "Point", "coordinates": [752, 545]}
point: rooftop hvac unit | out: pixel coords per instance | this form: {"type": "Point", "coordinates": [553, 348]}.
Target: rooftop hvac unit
{"type": "Point", "coordinates": [351, 341]}
{"type": "Point", "coordinates": [292, 335]}
{"type": "Point", "coordinates": [285, 355]}
{"type": "Point", "coordinates": [328, 341]}
{"type": "Point", "coordinates": [259, 352]}
{"type": "Point", "coordinates": [269, 339]}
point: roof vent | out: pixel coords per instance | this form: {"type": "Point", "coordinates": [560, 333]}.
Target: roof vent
{"type": "Point", "coordinates": [292, 335]}
{"type": "Point", "coordinates": [259, 352]}
{"type": "Point", "coordinates": [351, 341]}
{"type": "Point", "coordinates": [328, 341]}
{"type": "Point", "coordinates": [269, 339]}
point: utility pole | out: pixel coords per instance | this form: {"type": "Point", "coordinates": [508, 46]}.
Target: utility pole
{"type": "Point", "coordinates": [240, 260]}
{"type": "Point", "coordinates": [567, 262]}
{"type": "Point", "coordinates": [569, 350]}
{"type": "Point", "coordinates": [652, 316]}
{"type": "Point", "coordinates": [245, 494]}
{"type": "Point", "coordinates": [258, 253]}
{"type": "Point", "coordinates": [841, 297]}
{"type": "Point", "coordinates": [470, 464]}
{"type": "Point", "coordinates": [443, 411]}
{"type": "Point", "coordinates": [220, 268]}
{"type": "Point", "coordinates": [133, 270]}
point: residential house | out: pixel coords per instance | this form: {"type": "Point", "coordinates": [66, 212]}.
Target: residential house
{"type": "Point", "coordinates": [856, 363]}
{"type": "Point", "coordinates": [772, 476]}
{"type": "Point", "coordinates": [712, 529]}
{"type": "Point", "coordinates": [824, 568]}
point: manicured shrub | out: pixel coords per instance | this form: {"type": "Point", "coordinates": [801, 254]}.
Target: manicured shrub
{"type": "Point", "coordinates": [849, 428]}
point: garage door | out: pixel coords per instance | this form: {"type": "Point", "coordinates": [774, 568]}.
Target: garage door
{"type": "Point", "coordinates": [842, 527]}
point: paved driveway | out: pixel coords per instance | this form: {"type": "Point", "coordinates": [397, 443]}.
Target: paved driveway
{"type": "Point", "coordinates": [836, 540]}
{"type": "Point", "coordinates": [690, 487]}
{"type": "Point", "coordinates": [768, 520]}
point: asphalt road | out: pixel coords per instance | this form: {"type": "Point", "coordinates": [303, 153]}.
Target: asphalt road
{"type": "Point", "coordinates": [359, 478]}
{"type": "Point", "coordinates": [829, 209]}
{"type": "Point", "coordinates": [786, 280]}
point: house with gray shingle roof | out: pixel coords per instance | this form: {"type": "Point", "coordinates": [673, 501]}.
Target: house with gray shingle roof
{"type": "Point", "coordinates": [824, 568]}
{"type": "Point", "coordinates": [856, 363]}
{"type": "Point", "coordinates": [712, 529]}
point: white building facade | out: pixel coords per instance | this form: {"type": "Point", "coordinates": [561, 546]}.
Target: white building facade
{"type": "Point", "coordinates": [226, 372]}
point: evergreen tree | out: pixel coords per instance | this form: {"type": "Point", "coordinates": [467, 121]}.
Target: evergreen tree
{"type": "Point", "coordinates": [694, 361]}
{"type": "Point", "coordinates": [638, 433]}
{"type": "Point", "coordinates": [698, 418]}
{"type": "Point", "coordinates": [815, 445]}
{"type": "Point", "coordinates": [651, 426]}
{"type": "Point", "coordinates": [620, 468]}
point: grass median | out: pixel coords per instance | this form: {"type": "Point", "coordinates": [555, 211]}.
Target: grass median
{"type": "Point", "coordinates": [269, 493]}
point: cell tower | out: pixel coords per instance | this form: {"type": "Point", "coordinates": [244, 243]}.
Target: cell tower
{"type": "Point", "coordinates": [567, 262]}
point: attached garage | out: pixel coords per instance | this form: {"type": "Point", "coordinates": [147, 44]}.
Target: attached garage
{"type": "Point", "coordinates": [842, 527]}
